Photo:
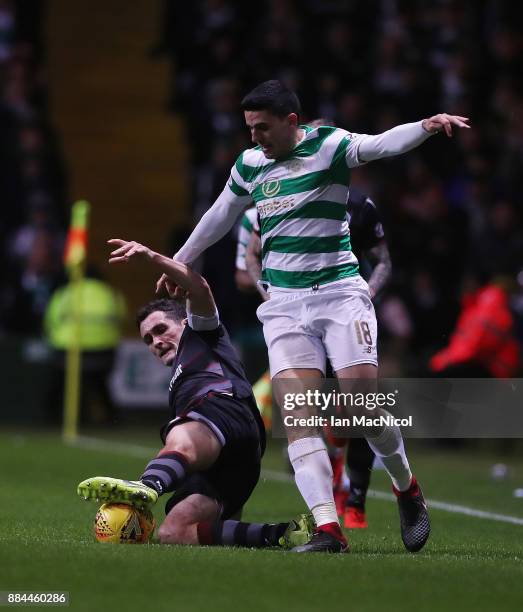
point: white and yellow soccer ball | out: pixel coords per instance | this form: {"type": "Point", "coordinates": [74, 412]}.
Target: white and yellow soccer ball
{"type": "Point", "coordinates": [123, 524]}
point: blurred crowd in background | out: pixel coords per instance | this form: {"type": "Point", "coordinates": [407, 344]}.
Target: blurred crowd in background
{"type": "Point", "coordinates": [451, 209]}
{"type": "Point", "coordinates": [33, 180]}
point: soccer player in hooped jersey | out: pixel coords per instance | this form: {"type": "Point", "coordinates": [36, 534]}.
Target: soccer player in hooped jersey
{"type": "Point", "coordinates": [299, 179]}
{"type": "Point", "coordinates": [367, 242]}
{"type": "Point", "coordinates": [214, 442]}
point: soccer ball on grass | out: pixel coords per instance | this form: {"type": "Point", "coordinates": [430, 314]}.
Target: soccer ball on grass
{"type": "Point", "coordinates": [123, 524]}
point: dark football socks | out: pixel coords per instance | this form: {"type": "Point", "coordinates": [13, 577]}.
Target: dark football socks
{"type": "Point", "coordinates": [165, 472]}
{"type": "Point", "coordinates": [237, 533]}
{"type": "Point", "coordinates": [359, 467]}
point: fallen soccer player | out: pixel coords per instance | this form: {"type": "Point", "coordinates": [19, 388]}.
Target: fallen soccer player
{"type": "Point", "coordinates": [214, 442]}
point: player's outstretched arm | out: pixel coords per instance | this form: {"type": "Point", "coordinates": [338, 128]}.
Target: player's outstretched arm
{"type": "Point", "coordinates": [194, 287]}
{"type": "Point", "coordinates": [214, 224]}
{"type": "Point", "coordinates": [401, 138]}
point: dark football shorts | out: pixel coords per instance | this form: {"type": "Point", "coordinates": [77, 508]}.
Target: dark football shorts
{"type": "Point", "coordinates": [231, 480]}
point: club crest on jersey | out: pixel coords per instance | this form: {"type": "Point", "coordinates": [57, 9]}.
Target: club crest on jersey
{"type": "Point", "coordinates": [271, 188]}
{"type": "Point", "coordinates": [295, 165]}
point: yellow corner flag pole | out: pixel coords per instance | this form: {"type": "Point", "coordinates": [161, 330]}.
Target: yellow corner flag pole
{"type": "Point", "coordinates": [74, 259]}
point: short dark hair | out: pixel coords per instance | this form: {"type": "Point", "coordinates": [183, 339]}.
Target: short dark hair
{"type": "Point", "coordinates": [272, 96]}
{"type": "Point", "coordinates": [175, 310]}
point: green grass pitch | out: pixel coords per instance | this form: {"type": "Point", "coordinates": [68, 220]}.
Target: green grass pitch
{"type": "Point", "coordinates": [46, 541]}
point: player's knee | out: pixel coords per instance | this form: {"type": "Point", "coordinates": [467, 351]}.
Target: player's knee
{"type": "Point", "coordinates": [196, 442]}
{"type": "Point", "coordinates": [165, 534]}
{"type": "Point", "coordinates": [186, 448]}
{"type": "Point", "coordinates": [297, 433]}
{"type": "Point", "coordinates": [183, 445]}
{"type": "Point", "coordinates": [173, 533]}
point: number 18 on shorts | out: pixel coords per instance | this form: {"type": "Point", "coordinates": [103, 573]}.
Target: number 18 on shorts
{"type": "Point", "coordinates": [302, 330]}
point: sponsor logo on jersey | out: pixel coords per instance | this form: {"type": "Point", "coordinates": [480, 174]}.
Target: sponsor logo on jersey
{"type": "Point", "coordinates": [177, 373]}
{"type": "Point", "coordinates": [275, 207]}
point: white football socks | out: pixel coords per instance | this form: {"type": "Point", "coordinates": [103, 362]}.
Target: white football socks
{"type": "Point", "coordinates": [313, 476]}
{"type": "Point", "coordinates": [388, 446]}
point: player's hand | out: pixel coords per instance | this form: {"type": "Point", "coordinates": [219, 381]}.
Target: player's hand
{"type": "Point", "coordinates": [126, 249]}
{"type": "Point", "coordinates": [161, 283]}
{"type": "Point", "coordinates": [444, 123]}
{"type": "Point", "coordinates": [174, 290]}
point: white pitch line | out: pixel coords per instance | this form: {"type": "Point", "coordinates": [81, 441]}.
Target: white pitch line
{"type": "Point", "coordinates": [456, 509]}
{"type": "Point", "coordinates": [119, 448]}
{"type": "Point", "coordinates": [144, 452]}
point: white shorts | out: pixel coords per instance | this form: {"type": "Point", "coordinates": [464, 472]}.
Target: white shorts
{"type": "Point", "coordinates": [335, 321]}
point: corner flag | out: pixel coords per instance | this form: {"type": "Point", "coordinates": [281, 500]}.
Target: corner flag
{"type": "Point", "coordinates": [76, 243]}
{"type": "Point", "coordinates": [75, 256]}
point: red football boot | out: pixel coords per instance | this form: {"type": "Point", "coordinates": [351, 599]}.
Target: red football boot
{"type": "Point", "coordinates": [354, 518]}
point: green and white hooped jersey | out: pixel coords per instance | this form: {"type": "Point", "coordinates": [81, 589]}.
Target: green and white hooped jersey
{"type": "Point", "coordinates": [301, 201]}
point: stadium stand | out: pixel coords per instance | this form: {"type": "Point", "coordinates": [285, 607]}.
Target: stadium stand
{"type": "Point", "coordinates": [448, 210]}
